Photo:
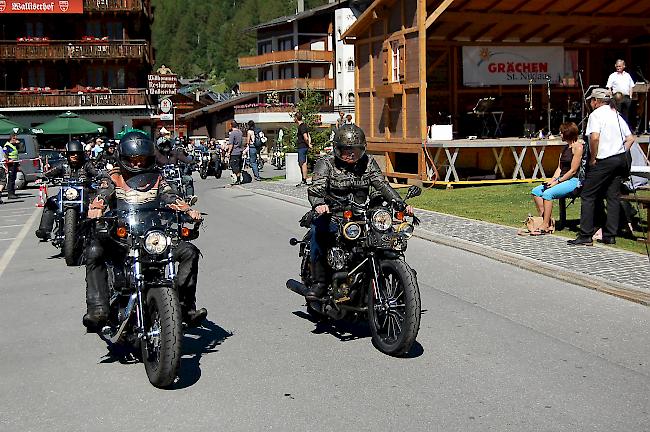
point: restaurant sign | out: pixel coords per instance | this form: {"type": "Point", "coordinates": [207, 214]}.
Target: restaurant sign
{"type": "Point", "coordinates": [509, 65]}
{"type": "Point", "coordinates": [41, 6]}
{"type": "Point", "coordinates": [162, 85]}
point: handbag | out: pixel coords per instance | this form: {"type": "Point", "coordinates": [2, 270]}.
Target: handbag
{"type": "Point", "coordinates": [534, 224]}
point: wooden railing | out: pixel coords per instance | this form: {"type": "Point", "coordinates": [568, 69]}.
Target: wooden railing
{"type": "Point", "coordinates": [63, 50]}
{"type": "Point", "coordinates": [287, 84]}
{"type": "Point", "coordinates": [286, 57]}
{"type": "Point", "coordinates": [129, 97]}
{"type": "Point", "coordinates": [262, 108]}
{"type": "Point", "coordinates": [112, 5]}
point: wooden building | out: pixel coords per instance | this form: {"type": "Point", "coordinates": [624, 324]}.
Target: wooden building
{"type": "Point", "coordinates": [414, 70]}
{"type": "Point", "coordinates": [92, 58]}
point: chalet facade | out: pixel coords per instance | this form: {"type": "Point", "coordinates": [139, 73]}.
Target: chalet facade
{"type": "Point", "coordinates": [421, 63]}
{"type": "Point", "coordinates": [92, 59]}
{"type": "Point", "coordinates": [295, 53]}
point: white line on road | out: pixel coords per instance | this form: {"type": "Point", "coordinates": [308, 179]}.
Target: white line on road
{"type": "Point", "coordinates": [7, 239]}
{"type": "Point", "coordinates": [13, 247]}
{"type": "Point", "coordinates": [11, 226]}
{"type": "Point", "coordinates": [16, 209]}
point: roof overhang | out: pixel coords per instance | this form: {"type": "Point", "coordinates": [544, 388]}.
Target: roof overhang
{"type": "Point", "coordinates": [210, 109]}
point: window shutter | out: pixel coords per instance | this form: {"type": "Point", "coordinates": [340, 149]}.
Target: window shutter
{"type": "Point", "coordinates": [385, 55]}
{"type": "Point", "coordinates": [402, 60]}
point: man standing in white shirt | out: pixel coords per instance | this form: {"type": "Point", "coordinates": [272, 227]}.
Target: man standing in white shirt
{"type": "Point", "coordinates": [621, 84]}
{"type": "Point", "coordinates": [609, 140]}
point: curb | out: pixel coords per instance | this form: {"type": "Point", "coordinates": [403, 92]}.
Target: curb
{"type": "Point", "coordinates": [595, 283]}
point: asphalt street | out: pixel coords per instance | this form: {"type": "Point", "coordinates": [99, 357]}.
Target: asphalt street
{"type": "Point", "coordinates": [499, 348]}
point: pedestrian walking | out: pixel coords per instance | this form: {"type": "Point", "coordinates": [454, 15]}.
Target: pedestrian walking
{"type": "Point", "coordinates": [254, 143]}
{"type": "Point", "coordinates": [609, 141]}
{"type": "Point", "coordinates": [12, 162]}
{"type": "Point", "coordinates": [234, 151]}
{"type": "Point", "coordinates": [303, 144]}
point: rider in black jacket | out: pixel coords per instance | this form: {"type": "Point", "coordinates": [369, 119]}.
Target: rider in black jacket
{"type": "Point", "coordinates": [76, 167]}
{"type": "Point", "coordinates": [349, 174]}
{"type": "Point", "coordinates": [136, 181]}
{"type": "Point", "coordinates": [166, 155]}
{"type": "Point", "coordinates": [107, 158]}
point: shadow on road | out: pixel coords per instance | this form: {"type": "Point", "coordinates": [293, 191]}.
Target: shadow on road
{"type": "Point", "coordinates": [196, 343]}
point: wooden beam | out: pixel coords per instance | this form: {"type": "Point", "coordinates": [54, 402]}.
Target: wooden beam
{"type": "Point", "coordinates": [528, 19]}
{"type": "Point", "coordinates": [436, 63]}
{"type": "Point", "coordinates": [520, 6]}
{"type": "Point", "coordinates": [535, 31]}
{"type": "Point", "coordinates": [558, 32]}
{"type": "Point", "coordinates": [582, 32]}
{"type": "Point", "coordinates": [458, 30]}
{"type": "Point", "coordinates": [623, 7]}
{"type": "Point", "coordinates": [436, 13]}
{"type": "Point", "coordinates": [588, 5]}
{"type": "Point", "coordinates": [508, 31]}
{"type": "Point", "coordinates": [477, 35]}
{"type": "Point", "coordinates": [422, 21]}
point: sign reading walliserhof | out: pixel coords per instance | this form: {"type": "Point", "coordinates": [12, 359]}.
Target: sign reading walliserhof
{"type": "Point", "coordinates": [42, 6]}
{"type": "Point", "coordinates": [162, 85]}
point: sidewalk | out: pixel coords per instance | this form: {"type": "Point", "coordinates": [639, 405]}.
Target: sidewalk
{"type": "Point", "coordinates": [620, 273]}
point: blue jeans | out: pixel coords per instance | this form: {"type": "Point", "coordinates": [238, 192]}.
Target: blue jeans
{"type": "Point", "coordinates": [252, 159]}
{"type": "Point", "coordinates": [558, 191]}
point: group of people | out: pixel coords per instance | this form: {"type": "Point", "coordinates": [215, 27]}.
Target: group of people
{"type": "Point", "coordinates": [135, 178]}
{"type": "Point", "coordinates": [239, 144]}
{"type": "Point", "coordinates": [594, 170]}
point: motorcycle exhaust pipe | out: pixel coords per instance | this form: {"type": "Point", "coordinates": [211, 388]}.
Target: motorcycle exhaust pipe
{"type": "Point", "coordinates": [297, 287]}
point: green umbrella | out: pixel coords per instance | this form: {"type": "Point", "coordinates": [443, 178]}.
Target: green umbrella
{"type": "Point", "coordinates": [8, 127]}
{"type": "Point", "coordinates": [121, 133]}
{"type": "Point", "coordinates": [70, 124]}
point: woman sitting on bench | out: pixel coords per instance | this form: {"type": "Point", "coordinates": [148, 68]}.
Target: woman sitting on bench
{"type": "Point", "coordinates": [565, 178]}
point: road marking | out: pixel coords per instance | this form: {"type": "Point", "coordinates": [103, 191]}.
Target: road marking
{"type": "Point", "coordinates": [13, 247]}
{"type": "Point", "coordinates": [7, 239]}
{"type": "Point", "coordinates": [11, 226]}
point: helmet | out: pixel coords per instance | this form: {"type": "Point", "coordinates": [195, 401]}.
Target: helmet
{"type": "Point", "coordinates": [164, 145]}
{"type": "Point", "coordinates": [75, 147]}
{"type": "Point", "coordinates": [136, 153]}
{"type": "Point", "coordinates": [349, 143]}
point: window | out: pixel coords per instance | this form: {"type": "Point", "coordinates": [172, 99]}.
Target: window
{"type": "Point", "coordinates": [351, 98]}
{"type": "Point", "coordinates": [286, 72]}
{"type": "Point", "coordinates": [93, 28]}
{"type": "Point", "coordinates": [395, 57]}
{"type": "Point", "coordinates": [114, 30]}
{"type": "Point", "coordinates": [340, 98]}
{"type": "Point", "coordinates": [268, 75]}
{"type": "Point", "coordinates": [95, 77]}
{"type": "Point", "coordinates": [350, 65]}
{"type": "Point", "coordinates": [339, 66]}
{"type": "Point", "coordinates": [36, 77]}
{"type": "Point", "coordinates": [264, 47]}
{"type": "Point", "coordinates": [285, 44]}
{"type": "Point", "coordinates": [34, 29]}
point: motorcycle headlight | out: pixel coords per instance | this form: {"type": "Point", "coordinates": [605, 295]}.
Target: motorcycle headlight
{"type": "Point", "coordinates": [382, 220]}
{"type": "Point", "coordinates": [155, 242]}
{"type": "Point", "coordinates": [406, 229]}
{"type": "Point", "coordinates": [351, 230]}
{"type": "Point", "coordinates": [71, 194]}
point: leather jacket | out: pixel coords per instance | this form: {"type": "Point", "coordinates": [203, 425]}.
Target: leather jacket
{"type": "Point", "coordinates": [171, 158]}
{"type": "Point", "coordinates": [344, 181]}
{"type": "Point", "coordinates": [85, 173]}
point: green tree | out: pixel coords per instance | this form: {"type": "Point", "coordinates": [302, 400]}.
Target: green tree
{"type": "Point", "coordinates": [309, 107]}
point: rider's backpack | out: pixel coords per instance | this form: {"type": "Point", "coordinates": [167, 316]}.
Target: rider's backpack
{"type": "Point", "coordinates": [260, 139]}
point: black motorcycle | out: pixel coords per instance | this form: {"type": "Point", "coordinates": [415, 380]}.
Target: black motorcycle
{"type": "Point", "coordinates": [369, 276]}
{"type": "Point", "coordinates": [145, 314]}
{"type": "Point", "coordinates": [210, 164]}
{"type": "Point", "coordinates": [70, 222]}
{"type": "Point", "coordinates": [173, 175]}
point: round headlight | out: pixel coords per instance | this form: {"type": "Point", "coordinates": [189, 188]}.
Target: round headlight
{"type": "Point", "coordinates": [155, 242]}
{"type": "Point", "coordinates": [351, 231]}
{"type": "Point", "coordinates": [71, 194]}
{"type": "Point", "coordinates": [406, 229]}
{"type": "Point", "coordinates": [382, 220]}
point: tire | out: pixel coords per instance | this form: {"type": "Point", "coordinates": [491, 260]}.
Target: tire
{"type": "Point", "coordinates": [161, 354]}
{"type": "Point", "coordinates": [203, 173]}
{"type": "Point", "coordinates": [394, 330]}
{"type": "Point", "coordinates": [217, 173]}
{"type": "Point", "coordinates": [70, 240]}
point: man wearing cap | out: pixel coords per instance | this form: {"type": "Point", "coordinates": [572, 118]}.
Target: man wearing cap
{"type": "Point", "coordinates": [163, 135]}
{"type": "Point", "coordinates": [621, 84]}
{"type": "Point", "coordinates": [609, 140]}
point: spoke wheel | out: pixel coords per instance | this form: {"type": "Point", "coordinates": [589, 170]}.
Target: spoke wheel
{"type": "Point", "coordinates": [394, 308]}
{"type": "Point", "coordinates": [161, 345]}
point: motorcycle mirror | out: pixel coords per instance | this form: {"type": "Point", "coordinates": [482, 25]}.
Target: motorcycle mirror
{"type": "Point", "coordinates": [293, 241]}
{"type": "Point", "coordinates": [413, 192]}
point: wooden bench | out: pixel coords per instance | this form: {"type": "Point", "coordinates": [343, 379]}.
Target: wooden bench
{"type": "Point", "coordinates": [644, 201]}
{"type": "Point", "coordinates": [562, 204]}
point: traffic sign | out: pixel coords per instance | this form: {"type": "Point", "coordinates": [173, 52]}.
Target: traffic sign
{"type": "Point", "coordinates": [165, 105]}
{"type": "Point", "coordinates": [167, 117]}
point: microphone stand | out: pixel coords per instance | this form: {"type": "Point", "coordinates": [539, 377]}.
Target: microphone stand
{"type": "Point", "coordinates": [548, 114]}
{"type": "Point", "coordinates": [645, 100]}
{"type": "Point", "coordinates": [582, 124]}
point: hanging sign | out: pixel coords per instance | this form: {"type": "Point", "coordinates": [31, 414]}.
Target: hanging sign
{"type": "Point", "coordinates": [166, 105]}
{"type": "Point", "coordinates": [41, 6]}
{"type": "Point", "coordinates": [162, 85]}
{"type": "Point", "coordinates": [510, 65]}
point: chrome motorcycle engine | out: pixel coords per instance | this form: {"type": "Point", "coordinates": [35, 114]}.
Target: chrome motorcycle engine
{"type": "Point", "coordinates": [337, 258]}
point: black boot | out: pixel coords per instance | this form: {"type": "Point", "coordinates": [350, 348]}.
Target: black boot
{"type": "Point", "coordinates": [42, 234]}
{"type": "Point", "coordinates": [95, 318]}
{"type": "Point", "coordinates": [318, 286]}
{"type": "Point", "coordinates": [193, 317]}
{"type": "Point", "coordinates": [316, 291]}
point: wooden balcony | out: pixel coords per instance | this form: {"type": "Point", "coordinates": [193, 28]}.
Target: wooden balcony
{"type": "Point", "coordinates": [69, 50]}
{"type": "Point", "coordinates": [113, 5]}
{"type": "Point", "coordinates": [293, 56]}
{"type": "Point", "coordinates": [287, 85]}
{"type": "Point", "coordinates": [56, 98]}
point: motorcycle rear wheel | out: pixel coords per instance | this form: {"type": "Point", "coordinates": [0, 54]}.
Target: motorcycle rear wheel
{"type": "Point", "coordinates": [395, 322]}
{"type": "Point", "coordinates": [70, 250]}
{"type": "Point", "coordinates": [204, 174]}
{"type": "Point", "coordinates": [161, 347]}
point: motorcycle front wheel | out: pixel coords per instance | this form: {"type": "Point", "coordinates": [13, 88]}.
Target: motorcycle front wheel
{"type": "Point", "coordinates": [161, 346]}
{"type": "Point", "coordinates": [70, 249]}
{"type": "Point", "coordinates": [395, 319]}
{"type": "Point", "coordinates": [203, 173]}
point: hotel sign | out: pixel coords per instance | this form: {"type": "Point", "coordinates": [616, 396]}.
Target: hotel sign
{"type": "Point", "coordinates": [162, 85]}
{"type": "Point", "coordinates": [41, 6]}
{"type": "Point", "coordinates": [509, 65]}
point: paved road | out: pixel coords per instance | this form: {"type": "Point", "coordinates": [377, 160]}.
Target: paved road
{"type": "Point", "coordinates": [499, 348]}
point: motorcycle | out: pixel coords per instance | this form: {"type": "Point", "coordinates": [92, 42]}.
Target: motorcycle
{"type": "Point", "coordinates": [145, 315]}
{"type": "Point", "coordinates": [173, 175]}
{"type": "Point", "coordinates": [277, 159]}
{"type": "Point", "coordinates": [70, 223]}
{"type": "Point", "coordinates": [210, 164]}
{"type": "Point", "coordinates": [369, 276]}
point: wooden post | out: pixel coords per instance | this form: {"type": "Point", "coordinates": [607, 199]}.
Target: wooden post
{"type": "Point", "coordinates": [422, 57]}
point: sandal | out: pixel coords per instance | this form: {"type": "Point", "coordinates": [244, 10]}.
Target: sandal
{"type": "Point", "coordinates": [539, 232]}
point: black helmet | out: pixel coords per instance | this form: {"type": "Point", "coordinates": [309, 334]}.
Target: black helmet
{"type": "Point", "coordinates": [164, 145]}
{"type": "Point", "coordinates": [74, 146]}
{"type": "Point", "coordinates": [136, 153]}
{"type": "Point", "coordinates": [351, 139]}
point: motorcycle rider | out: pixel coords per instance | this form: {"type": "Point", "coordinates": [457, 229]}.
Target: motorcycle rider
{"type": "Point", "coordinates": [135, 181]}
{"type": "Point", "coordinates": [107, 159]}
{"type": "Point", "coordinates": [76, 166]}
{"type": "Point", "coordinates": [348, 174]}
{"type": "Point", "coordinates": [167, 155]}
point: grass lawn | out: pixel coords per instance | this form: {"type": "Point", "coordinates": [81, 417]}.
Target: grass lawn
{"type": "Point", "coordinates": [507, 205]}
